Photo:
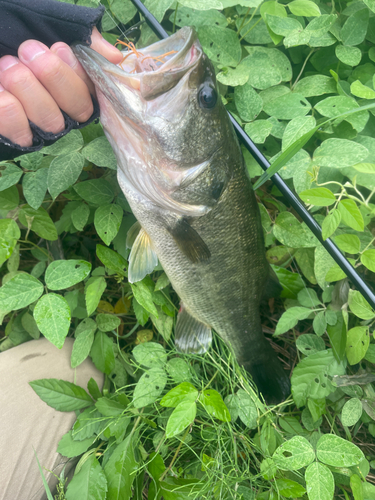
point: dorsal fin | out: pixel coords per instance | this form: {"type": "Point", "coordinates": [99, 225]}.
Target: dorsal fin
{"type": "Point", "coordinates": [142, 258]}
{"type": "Point", "coordinates": [191, 335]}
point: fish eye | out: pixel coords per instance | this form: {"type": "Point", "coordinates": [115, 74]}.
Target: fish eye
{"type": "Point", "coordinates": [207, 97]}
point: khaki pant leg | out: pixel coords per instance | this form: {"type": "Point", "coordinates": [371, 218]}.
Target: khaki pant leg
{"type": "Point", "coordinates": [27, 423]}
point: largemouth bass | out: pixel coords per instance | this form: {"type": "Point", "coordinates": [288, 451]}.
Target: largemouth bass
{"type": "Point", "coordinates": [182, 171]}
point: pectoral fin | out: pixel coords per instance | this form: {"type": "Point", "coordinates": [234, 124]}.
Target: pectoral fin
{"type": "Point", "coordinates": [142, 258]}
{"type": "Point", "coordinates": [190, 334]}
{"type": "Point", "coordinates": [189, 241]}
{"type": "Point", "coordinates": [132, 234]}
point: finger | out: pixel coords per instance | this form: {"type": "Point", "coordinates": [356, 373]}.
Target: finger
{"type": "Point", "coordinates": [104, 48]}
{"type": "Point", "coordinates": [13, 120]}
{"type": "Point", "coordinates": [39, 106]}
{"type": "Point", "coordinates": [64, 85]}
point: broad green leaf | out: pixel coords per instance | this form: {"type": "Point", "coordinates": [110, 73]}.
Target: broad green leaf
{"type": "Point", "coordinates": [120, 470]}
{"type": "Point", "coordinates": [294, 454]}
{"type": "Point", "coordinates": [31, 161]}
{"type": "Point", "coordinates": [338, 153]}
{"type": "Point", "coordinates": [310, 344]}
{"type": "Point", "coordinates": [304, 8]}
{"type": "Point", "coordinates": [9, 234]}
{"type": "Point", "coordinates": [320, 197]}
{"type": "Point", "coordinates": [184, 392]}
{"type": "Point", "coordinates": [359, 305]}
{"type": "Point", "coordinates": [247, 410]}
{"type": "Point", "coordinates": [80, 216]}
{"type": "Point", "coordinates": [319, 323]}
{"type": "Point", "coordinates": [357, 487]}
{"type": "Point", "coordinates": [292, 283]}
{"type": "Point", "coordinates": [283, 25]}
{"type": "Point", "coordinates": [342, 106]}
{"type": "Point", "coordinates": [221, 45]}
{"type": "Point", "coordinates": [87, 424]}
{"type": "Point", "coordinates": [357, 344]}
{"type": "Point", "coordinates": [61, 395]}
{"type": "Point", "coordinates": [351, 412]}
{"type": "Point", "coordinates": [52, 315]}
{"type": "Point", "coordinates": [107, 221]}
{"type": "Point", "coordinates": [9, 198]}
{"type": "Point", "coordinates": [183, 415]}
{"type": "Point", "coordinates": [150, 354]}
{"type": "Point", "coordinates": [34, 187]}
{"type": "Point", "coordinates": [350, 56]}
{"type": "Point", "coordinates": [107, 322]}
{"type": "Point", "coordinates": [337, 336]}
{"type": "Point", "coordinates": [310, 376]}
{"type": "Point", "coordinates": [290, 318]}
{"type": "Point", "coordinates": [162, 282]}
{"type": "Point", "coordinates": [63, 172]}
{"type": "Point", "coordinates": [337, 452]}
{"type": "Point", "coordinates": [90, 483]}
{"type": "Point", "coordinates": [214, 405]}
{"type": "Point", "coordinates": [96, 191]}
{"type": "Point", "coordinates": [316, 85]}
{"type": "Point", "coordinates": [123, 10]}
{"type": "Point", "coordinates": [19, 292]}
{"type": "Point", "coordinates": [335, 273]}
{"type": "Point", "coordinates": [100, 152]}
{"type": "Point", "coordinates": [348, 243]}
{"type": "Point", "coordinates": [67, 144]}
{"type": "Point", "coordinates": [178, 370]}
{"type": "Point", "coordinates": [29, 324]}
{"type": "Point", "coordinates": [351, 215]}
{"type": "Point", "coordinates": [359, 90]}
{"type": "Point", "coordinates": [368, 259]}
{"type": "Point", "coordinates": [289, 231]}
{"type": "Point", "coordinates": [258, 131]}
{"type": "Point", "coordinates": [163, 323]}
{"type": "Point", "coordinates": [355, 27]}
{"type": "Point", "coordinates": [102, 353]}
{"type": "Point", "coordinates": [286, 487]}
{"type": "Point", "coordinates": [296, 128]}
{"type": "Point", "coordinates": [202, 4]}
{"type": "Point", "coordinates": [83, 342]}
{"type": "Point", "coordinates": [63, 274]}
{"type": "Point", "coordinates": [111, 259]}
{"type": "Point", "coordinates": [287, 106]}
{"type": "Point", "coordinates": [233, 404]}
{"type": "Point", "coordinates": [308, 297]}
{"type": "Point", "coordinates": [320, 484]}
{"type": "Point", "coordinates": [39, 221]}
{"type": "Point", "coordinates": [144, 297]}
{"type": "Point", "coordinates": [109, 407]}
{"type": "Point", "coordinates": [248, 102]}
{"type": "Point", "coordinates": [197, 18]}
{"type": "Point", "coordinates": [234, 77]}
{"type": "Point", "coordinates": [365, 168]}
{"type": "Point", "coordinates": [94, 290]}
{"type": "Point", "coordinates": [260, 64]}
{"type": "Point", "coordinates": [321, 25]}
{"type": "Point", "coordinates": [9, 175]}
{"type": "Point", "coordinates": [140, 313]}
{"type": "Point", "coordinates": [70, 448]}
{"type": "Point", "coordinates": [149, 387]}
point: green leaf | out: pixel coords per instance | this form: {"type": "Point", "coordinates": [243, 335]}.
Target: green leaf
{"type": "Point", "coordinates": [80, 216]}
{"type": "Point", "coordinates": [149, 387]}
{"type": "Point", "coordinates": [292, 283]}
{"type": "Point", "coordinates": [248, 102]}
{"type": "Point", "coordinates": [308, 297]}
{"type": "Point", "coordinates": [310, 344]}
{"type": "Point", "coordinates": [234, 77]}
{"type": "Point", "coordinates": [221, 45]}
{"type": "Point", "coordinates": [178, 370]}
{"type": "Point", "coordinates": [310, 376]}
{"type": "Point", "coordinates": [348, 243]}
{"type": "Point", "coordinates": [9, 234]}
{"type": "Point", "coordinates": [70, 142]}
{"type": "Point", "coordinates": [247, 410]}
{"type": "Point", "coordinates": [351, 412]}
{"type": "Point", "coordinates": [109, 407]}
{"type": "Point", "coordinates": [296, 129]}
{"type": "Point", "coordinates": [63, 274]}
{"type": "Point", "coordinates": [183, 415]}
{"type": "Point", "coordinates": [202, 4]}
{"type": "Point", "coordinates": [357, 344]}
{"type": "Point", "coordinates": [316, 85]}
{"type": "Point", "coordinates": [197, 18]}
{"type": "Point", "coordinates": [288, 106]}
{"type": "Point", "coordinates": [107, 221]}
{"type": "Point", "coordinates": [90, 483]}
{"type": "Point", "coordinates": [140, 313]}
{"type": "Point", "coordinates": [359, 305]}
{"type": "Point", "coordinates": [258, 131]}
{"type": "Point", "coordinates": [144, 297]}
{"type": "Point", "coordinates": [64, 172]}
{"type": "Point", "coordinates": [304, 8]}
{"type": "Point", "coordinates": [96, 191]}
{"type": "Point", "coordinates": [337, 452]}
{"type": "Point", "coordinates": [290, 318]}
{"type": "Point", "coordinates": [29, 324]}
{"type": "Point", "coordinates": [70, 448]}
{"type": "Point", "coordinates": [83, 343]}
{"type": "Point", "coordinates": [34, 186]}
{"type": "Point", "coordinates": [87, 424]}
{"type": "Point", "coordinates": [39, 221]}
{"type": "Point", "coordinates": [9, 198]}
{"type": "Point", "coordinates": [337, 337]}
{"type": "Point", "coordinates": [359, 90]}
{"type": "Point", "coordinates": [9, 175]}
{"type": "Point", "coordinates": [320, 484]}
{"type": "Point", "coordinates": [94, 290]}
{"type": "Point", "coordinates": [111, 259]}
{"type": "Point", "coordinates": [61, 395]}
{"type": "Point", "coordinates": [214, 405]}
{"type": "Point", "coordinates": [107, 322]}
{"type": "Point", "coordinates": [184, 392]}
{"type": "Point", "coordinates": [286, 487]}
{"type": "Point", "coordinates": [357, 487]}
{"type": "Point", "coordinates": [120, 471]}
{"type": "Point", "coordinates": [368, 259]}
{"type": "Point", "coordinates": [100, 152]}
{"type": "Point", "coordinates": [355, 27]}
{"type": "Point", "coordinates": [52, 315]}
{"type": "Point", "coordinates": [366, 168]}
{"type": "Point", "coordinates": [102, 353]}
{"type": "Point", "coordinates": [319, 323]}
{"type": "Point", "coordinates": [290, 232]}
{"type": "Point", "coordinates": [283, 25]}
{"type": "Point", "coordinates": [294, 454]}
{"type": "Point", "coordinates": [163, 323]}
{"type": "Point", "coordinates": [349, 55]}
{"type": "Point", "coordinates": [19, 292]}
{"type": "Point", "coordinates": [259, 59]}
{"type": "Point", "coordinates": [350, 214]}
{"type": "Point", "coordinates": [150, 354]}
{"type": "Point", "coordinates": [338, 153]}
{"type": "Point", "coordinates": [320, 197]}
{"type": "Point", "coordinates": [162, 282]}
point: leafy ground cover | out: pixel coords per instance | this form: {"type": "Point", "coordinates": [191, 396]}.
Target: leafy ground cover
{"type": "Point", "coordinates": [177, 427]}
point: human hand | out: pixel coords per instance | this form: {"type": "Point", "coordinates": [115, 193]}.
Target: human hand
{"type": "Point", "coordinates": [40, 82]}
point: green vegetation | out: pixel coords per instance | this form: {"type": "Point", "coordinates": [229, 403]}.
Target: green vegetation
{"type": "Point", "coordinates": [181, 427]}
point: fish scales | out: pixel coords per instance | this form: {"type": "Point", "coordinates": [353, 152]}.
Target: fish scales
{"type": "Point", "coordinates": [182, 171]}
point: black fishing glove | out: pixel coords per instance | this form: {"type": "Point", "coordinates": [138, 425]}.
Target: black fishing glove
{"type": "Point", "coordinates": [48, 21]}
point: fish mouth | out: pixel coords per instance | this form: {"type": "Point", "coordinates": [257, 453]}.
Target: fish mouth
{"type": "Point", "coordinates": [148, 72]}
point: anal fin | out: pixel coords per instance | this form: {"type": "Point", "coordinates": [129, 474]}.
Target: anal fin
{"type": "Point", "coordinates": [189, 241]}
{"type": "Point", "coordinates": [191, 335]}
{"type": "Point", "coordinates": [142, 258]}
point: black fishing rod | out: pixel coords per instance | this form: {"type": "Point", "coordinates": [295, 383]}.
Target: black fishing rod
{"type": "Point", "coordinates": [294, 201]}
